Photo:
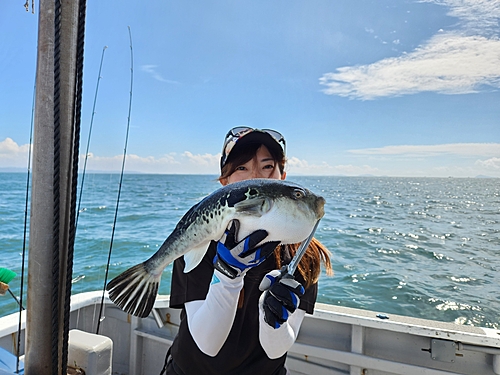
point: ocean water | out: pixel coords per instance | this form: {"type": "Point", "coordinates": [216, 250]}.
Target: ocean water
{"type": "Point", "coordinates": [421, 247]}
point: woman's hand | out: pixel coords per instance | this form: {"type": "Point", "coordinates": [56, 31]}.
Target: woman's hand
{"type": "Point", "coordinates": [281, 297]}
{"type": "Point", "coordinates": [233, 258]}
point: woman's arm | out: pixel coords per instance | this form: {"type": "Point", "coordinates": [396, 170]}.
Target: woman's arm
{"type": "Point", "coordinates": [277, 341]}
{"type": "Point", "coordinates": [279, 316]}
{"type": "Point", "coordinates": [210, 320]}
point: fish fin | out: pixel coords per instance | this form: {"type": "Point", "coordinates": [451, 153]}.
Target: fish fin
{"type": "Point", "coordinates": [193, 257]}
{"type": "Point", "coordinates": [254, 206]}
{"type": "Point", "coordinates": [134, 290]}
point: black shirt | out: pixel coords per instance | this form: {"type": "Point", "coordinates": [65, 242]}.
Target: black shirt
{"type": "Point", "coordinates": [241, 353]}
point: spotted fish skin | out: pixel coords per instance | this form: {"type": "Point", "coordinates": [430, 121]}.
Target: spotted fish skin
{"type": "Point", "coordinates": [287, 211]}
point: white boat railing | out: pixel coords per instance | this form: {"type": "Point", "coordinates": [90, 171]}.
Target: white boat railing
{"type": "Point", "coordinates": [335, 340]}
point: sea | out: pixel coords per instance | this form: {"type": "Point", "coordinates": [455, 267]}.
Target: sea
{"type": "Point", "coordinates": [421, 247]}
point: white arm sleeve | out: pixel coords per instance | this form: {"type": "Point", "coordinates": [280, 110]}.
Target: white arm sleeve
{"type": "Point", "coordinates": [210, 321]}
{"type": "Point", "coordinates": [277, 342]}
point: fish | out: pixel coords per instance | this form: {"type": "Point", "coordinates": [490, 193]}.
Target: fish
{"type": "Point", "coordinates": [286, 210]}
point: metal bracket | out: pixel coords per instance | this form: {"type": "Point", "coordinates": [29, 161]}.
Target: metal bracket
{"type": "Point", "coordinates": [443, 350]}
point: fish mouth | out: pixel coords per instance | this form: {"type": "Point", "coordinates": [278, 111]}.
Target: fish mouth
{"type": "Point", "coordinates": [320, 207]}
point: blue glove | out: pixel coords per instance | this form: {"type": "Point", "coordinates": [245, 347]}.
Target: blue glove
{"type": "Point", "coordinates": [233, 258]}
{"type": "Point", "coordinates": [282, 297]}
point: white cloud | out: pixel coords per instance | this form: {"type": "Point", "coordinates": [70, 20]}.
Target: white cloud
{"type": "Point", "coordinates": [448, 64]}
{"type": "Point", "coordinates": [8, 146]}
{"type": "Point", "coordinates": [187, 163]}
{"type": "Point", "coordinates": [204, 160]}
{"type": "Point", "coordinates": [296, 163]}
{"type": "Point", "coordinates": [467, 160]}
{"type": "Point", "coordinates": [459, 62]}
{"type": "Point", "coordinates": [296, 166]}
{"type": "Point", "coordinates": [463, 149]}
{"type": "Point", "coordinates": [13, 155]}
{"type": "Point", "coordinates": [151, 69]}
{"type": "Point", "coordinates": [383, 161]}
{"type": "Point", "coordinates": [489, 164]}
{"type": "Point", "coordinates": [476, 16]}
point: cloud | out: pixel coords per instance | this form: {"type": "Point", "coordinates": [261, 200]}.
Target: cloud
{"type": "Point", "coordinates": [395, 167]}
{"type": "Point", "coordinates": [13, 155]}
{"type": "Point", "coordinates": [477, 158]}
{"type": "Point", "coordinates": [206, 159]}
{"type": "Point", "coordinates": [462, 149]}
{"type": "Point", "coordinates": [460, 62]}
{"type": "Point", "coordinates": [151, 69]}
{"type": "Point", "coordinates": [447, 64]}
{"type": "Point", "coordinates": [186, 163]}
{"type": "Point", "coordinates": [302, 167]}
{"type": "Point", "coordinates": [489, 164]}
{"type": "Point", "coordinates": [475, 16]}
{"type": "Point", "coordinates": [8, 146]}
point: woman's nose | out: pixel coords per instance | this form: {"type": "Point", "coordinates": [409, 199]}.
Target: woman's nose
{"type": "Point", "coordinates": [256, 173]}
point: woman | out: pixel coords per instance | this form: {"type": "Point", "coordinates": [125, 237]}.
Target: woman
{"type": "Point", "coordinates": [228, 325]}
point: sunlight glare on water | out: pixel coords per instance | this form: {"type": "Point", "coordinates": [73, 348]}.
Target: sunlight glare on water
{"type": "Point", "coordinates": [422, 247]}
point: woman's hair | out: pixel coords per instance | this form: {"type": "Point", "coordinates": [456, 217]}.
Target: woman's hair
{"type": "Point", "coordinates": [316, 253]}
{"type": "Point", "coordinates": [245, 153]}
{"type": "Point", "coordinates": [310, 264]}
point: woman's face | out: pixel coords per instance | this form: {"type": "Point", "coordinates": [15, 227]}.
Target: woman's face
{"type": "Point", "coordinates": [262, 165]}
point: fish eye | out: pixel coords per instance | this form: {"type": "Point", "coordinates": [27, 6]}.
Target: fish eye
{"type": "Point", "coordinates": [298, 194]}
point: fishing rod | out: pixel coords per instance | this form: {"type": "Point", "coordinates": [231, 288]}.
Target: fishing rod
{"type": "Point", "coordinates": [121, 179]}
{"type": "Point", "coordinates": [23, 257]}
{"type": "Point", "coordinates": [88, 139]}
{"type": "Point", "coordinates": [21, 307]}
{"type": "Point", "coordinates": [287, 271]}
{"type": "Point", "coordinates": [292, 266]}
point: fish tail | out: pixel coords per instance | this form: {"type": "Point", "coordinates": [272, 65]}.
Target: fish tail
{"type": "Point", "coordinates": [134, 290]}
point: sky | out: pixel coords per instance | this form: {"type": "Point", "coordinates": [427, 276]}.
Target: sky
{"type": "Point", "coordinates": [357, 87]}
